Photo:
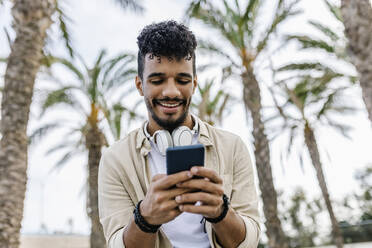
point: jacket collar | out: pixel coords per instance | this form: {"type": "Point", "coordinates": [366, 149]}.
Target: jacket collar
{"type": "Point", "coordinates": [144, 145]}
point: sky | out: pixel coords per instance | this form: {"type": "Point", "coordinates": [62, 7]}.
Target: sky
{"type": "Point", "coordinates": [55, 197]}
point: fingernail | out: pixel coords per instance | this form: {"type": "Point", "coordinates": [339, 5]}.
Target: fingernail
{"type": "Point", "coordinates": [178, 198]}
{"type": "Point", "coordinates": [179, 184]}
{"type": "Point", "coordinates": [180, 207]}
{"type": "Point", "coordinates": [194, 169]}
{"type": "Point", "coordinates": [189, 174]}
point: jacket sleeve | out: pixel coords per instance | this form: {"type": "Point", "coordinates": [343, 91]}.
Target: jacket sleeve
{"type": "Point", "coordinates": [114, 203]}
{"type": "Point", "coordinates": [244, 198]}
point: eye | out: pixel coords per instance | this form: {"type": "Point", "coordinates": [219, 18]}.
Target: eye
{"type": "Point", "coordinates": [183, 81]}
{"type": "Point", "coordinates": [156, 82]}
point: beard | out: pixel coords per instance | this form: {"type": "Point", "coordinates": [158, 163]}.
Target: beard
{"type": "Point", "coordinates": [168, 125]}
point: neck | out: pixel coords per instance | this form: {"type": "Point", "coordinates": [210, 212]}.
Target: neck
{"type": "Point", "coordinates": [152, 127]}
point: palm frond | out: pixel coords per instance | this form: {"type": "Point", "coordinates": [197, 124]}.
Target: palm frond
{"type": "Point", "coordinates": [304, 66]}
{"type": "Point", "coordinates": [120, 79]}
{"type": "Point", "coordinates": [64, 28]}
{"type": "Point", "coordinates": [41, 132]}
{"type": "Point", "coordinates": [57, 97]}
{"type": "Point", "coordinates": [252, 4]}
{"type": "Point", "coordinates": [343, 129]}
{"type": "Point", "coordinates": [134, 5]}
{"type": "Point", "coordinates": [63, 145]}
{"type": "Point", "coordinates": [69, 65]}
{"type": "Point", "coordinates": [64, 159]}
{"type": "Point", "coordinates": [109, 66]}
{"type": "Point", "coordinates": [8, 38]}
{"type": "Point", "coordinates": [335, 10]}
{"type": "Point", "coordinates": [310, 43]}
{"type": "Point", "coordinates": [212, 16]}
{"type": "Point", "coordinates": [282, 13]}
{"type": "Point", "coordinates": [202, 68]}
{"type": "Point", "coordinates": [325, 30]}
{"type": "Point", "coordinates": [292, 135]}
{"type": "Point", "coordinates": [210, 47]}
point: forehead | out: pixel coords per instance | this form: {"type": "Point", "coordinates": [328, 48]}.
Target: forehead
{"type": "Point", "coordinates": [166, 65]}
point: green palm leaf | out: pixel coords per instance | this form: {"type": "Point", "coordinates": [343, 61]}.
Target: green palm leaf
{"type": "Point", "coordinates": [310, 43]}
{"type": "Point", "coordinates": [214, 49]}
{"type": "Point", "coordinates": [335, 10]}
{"type": "Point", "coordinates": [282, 13]}
{"type": "Point", "coordinates": [325, 30]}
{"type": "Point", "coordinates": [63, 21]}
{"type": "Point", "coordinates": [39, 133]}
{"type": "Point", "coordinates": [132, 4]}
{"type": "Point", "coordinates": [304, 66]}
{"type": "Point", "coordinates": [58, 96]}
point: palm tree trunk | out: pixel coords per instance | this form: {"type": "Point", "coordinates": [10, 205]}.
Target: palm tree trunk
{"type": "Point", "coordinates": [32, 18]}
{"type": "Point", "coordinates": [252, 100]}
{"type": "Point", "coordinates": [315, 158]}
{"type": "Point", "coordinates": [94, 145]}
{"type": "Point", "coordinates": [357, 18]}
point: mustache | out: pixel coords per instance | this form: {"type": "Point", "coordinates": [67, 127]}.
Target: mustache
{"type": "Point", "coordinates": [168, 99]}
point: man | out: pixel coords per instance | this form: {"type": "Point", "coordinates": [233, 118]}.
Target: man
{"type": "Point", "coordinates": [141, 206]}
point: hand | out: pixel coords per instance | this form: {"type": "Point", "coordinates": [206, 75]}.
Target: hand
{"type": "Point", "coordinates": [210, 194]}
{"type": "Point", "coordinates": [159, 205]}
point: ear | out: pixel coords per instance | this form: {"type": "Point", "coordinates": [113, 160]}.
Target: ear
{"type": "Point", "coordinates": [195, 82]}
{"type": "Point", "coordinates": [139, 85]}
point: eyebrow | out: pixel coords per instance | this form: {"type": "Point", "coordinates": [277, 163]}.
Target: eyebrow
{"type": "Point", "coordinates": [160, 74]}
{"type": "Point", "coordinates": [183, 74]}
{"type": "Point", "coordinates": [156, 74]}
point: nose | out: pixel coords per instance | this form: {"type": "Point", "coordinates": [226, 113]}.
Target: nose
{"type": "Point", "coordinates": [171, 90]}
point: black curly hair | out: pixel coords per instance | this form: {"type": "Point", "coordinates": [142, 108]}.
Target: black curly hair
{"type": "Point", "coordinates": [169, 39]}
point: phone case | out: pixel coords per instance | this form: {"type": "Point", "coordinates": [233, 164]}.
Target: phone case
{"type": "Point", "coordinates": [182, 158]}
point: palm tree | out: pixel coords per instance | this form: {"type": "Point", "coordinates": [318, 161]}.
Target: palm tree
{"type": "Point", "coordinates": [31, 19]}
{"type": "Point", "coordinates": [237, 25]}
{"type": "Point", "coordinates": [357, 18]}
{"type": "Point", "coordinates": [314, 99]}
{"type": "Point", "coordinates": [94, 86]}
{"type": "Point", "coordinates": [212, 108]}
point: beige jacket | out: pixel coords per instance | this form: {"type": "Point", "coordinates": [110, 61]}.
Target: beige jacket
{"type": "Point", "coordinates": [124, 177]}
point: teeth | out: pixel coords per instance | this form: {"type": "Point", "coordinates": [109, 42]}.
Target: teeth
{"type": "Point", "coordinates": [170, 105]}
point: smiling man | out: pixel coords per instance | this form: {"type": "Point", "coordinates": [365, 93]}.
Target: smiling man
{"type": "Point", "coordinates": [141, 206]}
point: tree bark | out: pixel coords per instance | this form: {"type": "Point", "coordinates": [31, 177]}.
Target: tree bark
{"type": "Point", "coordinates": [357, 18]}
{"type": "Point", "coordinates": [31, 19]}
{"type": "Point", "coordinates": [252, 100]}
{"type": "Point", "coordinates": [315, 158]}
{"type": "Point", "coordinates": [94, 145]}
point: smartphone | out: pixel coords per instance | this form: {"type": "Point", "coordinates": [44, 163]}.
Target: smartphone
{"type": "Point", "coordinates": [181, 158]}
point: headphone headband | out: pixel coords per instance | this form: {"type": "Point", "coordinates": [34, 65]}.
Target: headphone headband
{"type": "Point", "coordinates": [181, 136]}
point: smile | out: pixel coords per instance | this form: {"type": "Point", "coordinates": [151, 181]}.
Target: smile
{"type": "Point", "coordinates": [170, 105]}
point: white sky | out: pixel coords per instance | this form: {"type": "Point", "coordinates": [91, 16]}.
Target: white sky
{"type": "Point", "coordinates": [56, 197]}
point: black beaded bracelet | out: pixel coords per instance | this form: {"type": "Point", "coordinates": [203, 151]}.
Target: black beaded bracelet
{"type": "Point", "coordinates": [142, 223]}
{"type": "Point", "coordinates": [224, 211]}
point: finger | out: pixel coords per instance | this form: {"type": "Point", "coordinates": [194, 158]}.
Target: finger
{"type": "Point", "coordinates": [174, 213]}
{"type": "Point", "coordinates": [157, 177]}
{"type": "Point", "coordinates": [172, 193]}
{"type": "Point", "coordinates": [205, 198]}
{"type": "Point", "coordinates": [169, 205]}
{"type": "Point", "coordinates": [171, 180]}
{"type": "Point", "coordinates": [207, 211]}
{"type": "Point", "coordinates": [202, 185]}
{"type": "Point", "coordinates": [207, 173]}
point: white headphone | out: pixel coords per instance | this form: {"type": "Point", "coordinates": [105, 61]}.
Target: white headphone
{"type": "Point", "coordinates": [181, 136]}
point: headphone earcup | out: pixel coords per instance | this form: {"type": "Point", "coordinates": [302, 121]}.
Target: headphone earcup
{"type": "Point", "coordinates": [182, 136]}
{"type": "Point", "coordinates": [163, 140]}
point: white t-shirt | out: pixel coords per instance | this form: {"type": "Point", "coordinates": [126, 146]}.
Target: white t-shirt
{"type": "Point", "coordinates": [184, 231]}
